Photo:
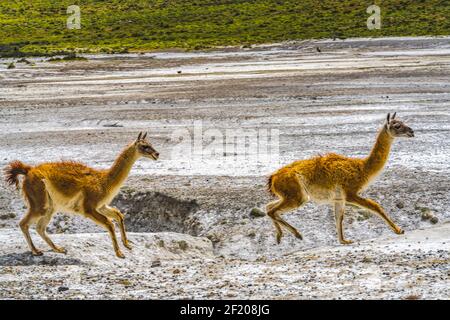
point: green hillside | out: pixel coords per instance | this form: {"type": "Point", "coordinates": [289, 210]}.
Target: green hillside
{"type": "Point", "coordinates": [39, 26]}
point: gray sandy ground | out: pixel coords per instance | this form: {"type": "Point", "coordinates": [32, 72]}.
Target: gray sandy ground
{"type": "Point", "coordinates": [333, 101]}
{"type": "Point", "coordinates": [414, 266]}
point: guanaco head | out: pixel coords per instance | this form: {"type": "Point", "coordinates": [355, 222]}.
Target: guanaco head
{"type": "Point", "coordinates": [397, 128]}
{"type": "Point", "coordinates": [144, 148]}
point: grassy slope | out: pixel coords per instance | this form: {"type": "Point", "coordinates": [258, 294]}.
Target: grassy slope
{"type": "Point", "coordinates": [38, 26]}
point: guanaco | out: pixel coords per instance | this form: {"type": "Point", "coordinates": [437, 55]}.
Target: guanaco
{"type": "Point", "coordinates": [333, 179]}
{"type": "Point", "coordinates": [72, 187]}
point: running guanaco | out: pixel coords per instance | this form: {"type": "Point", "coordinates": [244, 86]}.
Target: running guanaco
{"type": "Point", "coordinates": [75, 188]}
{"type": "Point", "coordinates": [334, 179]}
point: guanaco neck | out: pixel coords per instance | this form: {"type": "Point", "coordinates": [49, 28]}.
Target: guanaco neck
{"type": "Point", "coordinates": [379, 155]}
{"type": "Point", "coordinates": [120, 169]}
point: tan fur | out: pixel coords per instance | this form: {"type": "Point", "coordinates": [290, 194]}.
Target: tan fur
{"type": "Point", "coordinates": [333, 179]}
{"type": "Point", "coordinates": [73, 187]}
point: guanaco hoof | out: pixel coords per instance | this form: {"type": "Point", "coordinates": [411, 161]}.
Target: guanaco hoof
{"type": "Point", "coordinates": [60, 250]}
{"type": "Point", "coordinates": [299, 236]}
{"type": "Point", "coordinates": [37, 253]}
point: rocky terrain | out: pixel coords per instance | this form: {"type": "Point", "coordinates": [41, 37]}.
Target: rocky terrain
{"type": "Point", "coordinates": [329, 101]}
{"type": "Point", "coordinates": [174, 266]}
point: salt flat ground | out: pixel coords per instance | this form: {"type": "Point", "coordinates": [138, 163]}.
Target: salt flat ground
{"type": "Point", "coordinates": [329, 101]}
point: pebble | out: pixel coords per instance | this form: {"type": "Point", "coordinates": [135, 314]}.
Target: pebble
{"type": "Point", "coordinates": [399, 204]}
{"type": "Point", "coordinates": [155, 263]}
{"type": "Point", "coordinates": [257, 213]}
{"type": "Point", "coordinates": [426, 214]}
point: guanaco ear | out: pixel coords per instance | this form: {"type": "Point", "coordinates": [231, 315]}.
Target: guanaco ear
{"type": "Point", "coordinates": [144, 136]}
{"type": "Point", "coordinates": [139, 136]}
{"type": "Point", "coordinates": [393, 117]}
{"type": "Point", "coordinates": [388, 117]}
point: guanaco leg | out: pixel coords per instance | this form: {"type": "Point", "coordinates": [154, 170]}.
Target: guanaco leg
{"type": "Point", "coordinates": [104, 221]}
{"type": "Point", "coordinates": [276, 224]}
{"type": "Point", "coordinates": [41, 229]}
{"type": "Point", "coordinates": [339, 211]}
{"type": "Point", "coordinates": [292, 196]}
{"type": "Point", "coordinates": [283, 206]}
{"type": "Point", "coordinates": [375, 208]}
{"type": "Point", "coordinates": [29, 218]}
{"type": "Point", "coordinates": [37, 199]}
{"type": "Point", "coordinates": [115, 214]}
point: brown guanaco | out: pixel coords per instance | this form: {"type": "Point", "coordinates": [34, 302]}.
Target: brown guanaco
{"type": "Point", "coordinates": [334, 179]}
{"type": "Point", "coordinates": [73, 187]}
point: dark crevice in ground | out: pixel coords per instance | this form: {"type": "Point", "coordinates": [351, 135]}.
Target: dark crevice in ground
{"type": "Point", "coordinates": [157, 212]}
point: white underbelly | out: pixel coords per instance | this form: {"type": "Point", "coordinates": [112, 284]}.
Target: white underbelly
{"type": "Point", "coordinates": [75, 203]}
{"type": "Point", "coordinates": [63, 203]}
{"type": "Point", "coordinates": [324, 196]}
{"type": "Point", "coordinates": [70, 205]}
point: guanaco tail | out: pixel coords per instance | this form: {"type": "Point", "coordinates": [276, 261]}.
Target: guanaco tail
{"type": "Point", "coordinates": [333, 179]}
{"type": "Point", "coordinates": [72, 187]}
